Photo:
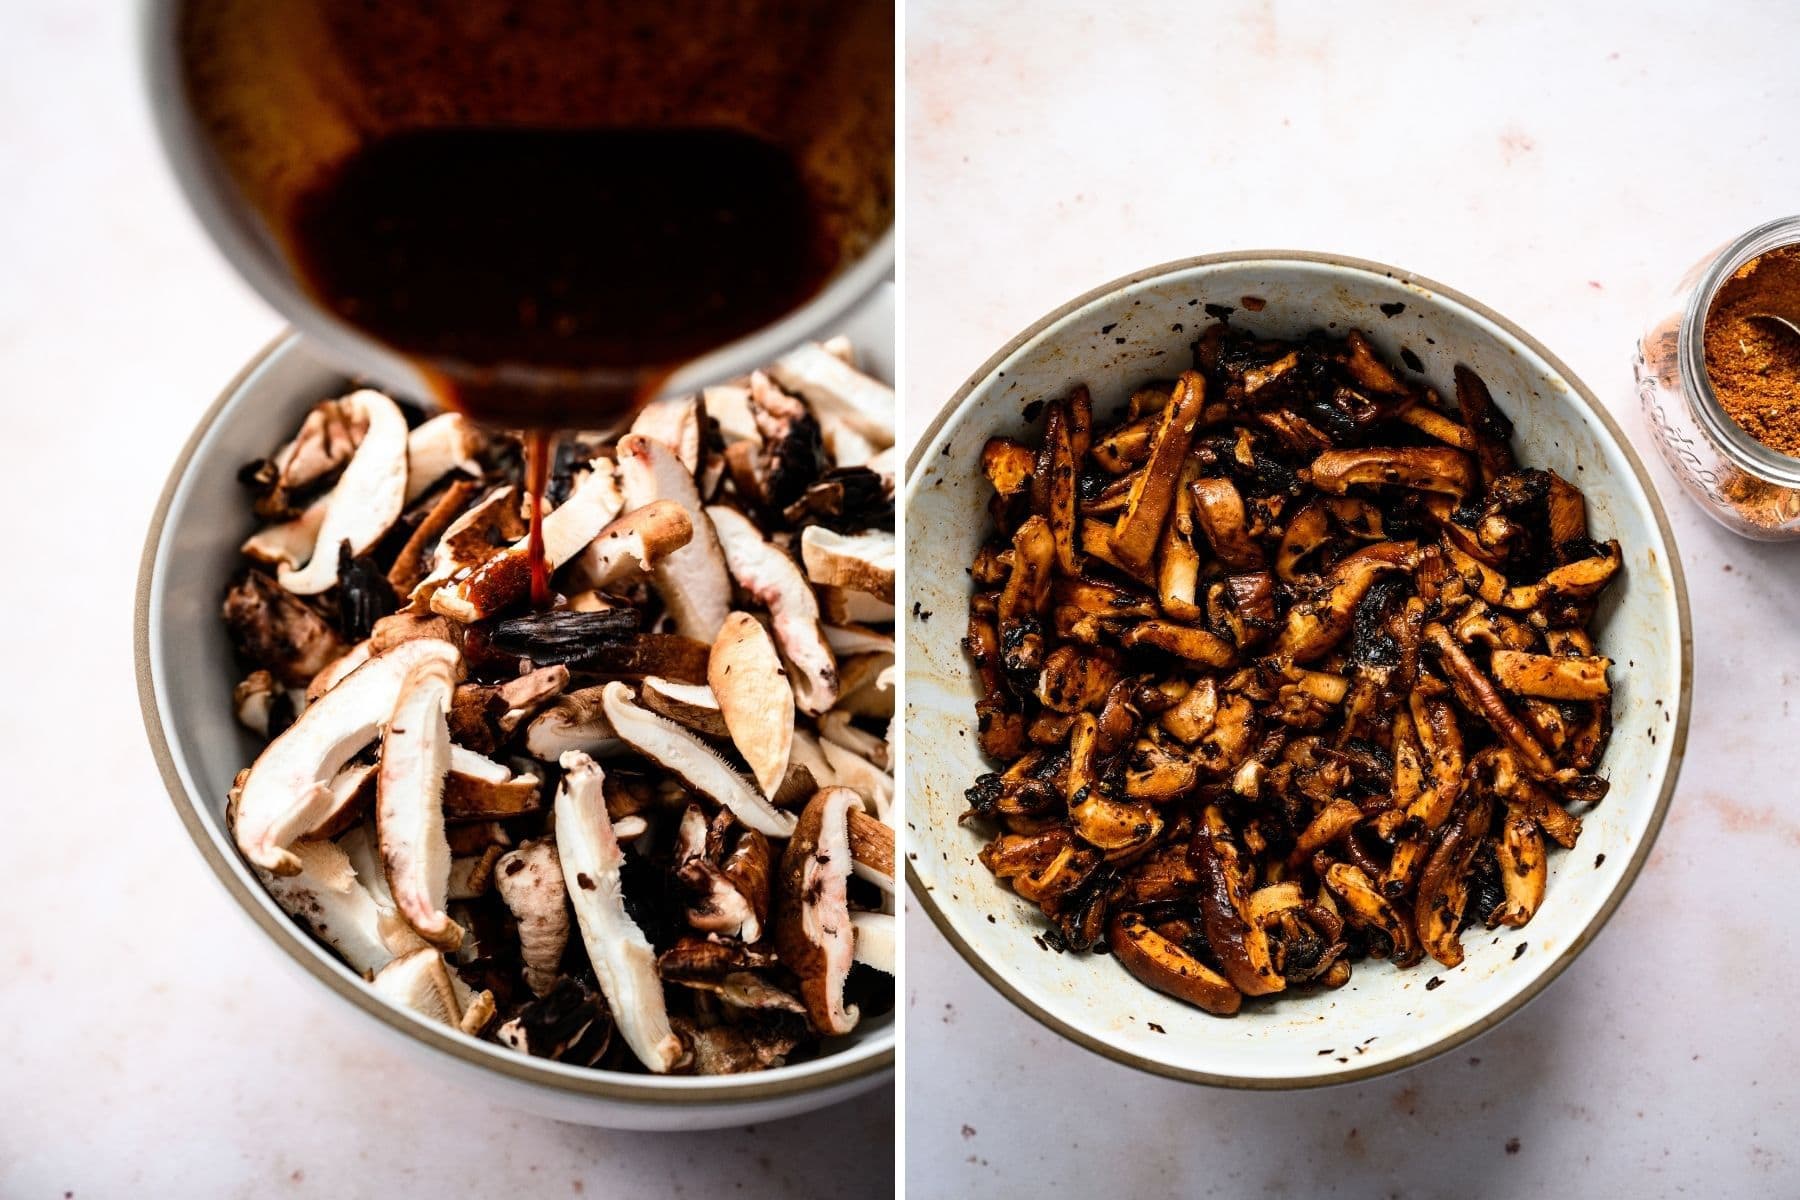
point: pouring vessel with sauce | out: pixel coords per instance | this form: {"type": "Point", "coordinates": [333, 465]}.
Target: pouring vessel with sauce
{"type": "Point", "coordinates": [541, 213]}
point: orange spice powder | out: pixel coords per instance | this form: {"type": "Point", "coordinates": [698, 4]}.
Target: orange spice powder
{"type": "Point", "coordinates": [1754, 366]}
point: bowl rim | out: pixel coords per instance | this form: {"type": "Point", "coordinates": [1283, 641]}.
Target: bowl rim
{"type": "Point", "coordinates": [656, 1090]}
{"type": "Point", "coordinates": [1677, 743]}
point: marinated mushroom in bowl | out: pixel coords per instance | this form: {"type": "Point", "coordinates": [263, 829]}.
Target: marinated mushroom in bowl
{"type": "Point", "coordinates": [646, 828]}
{"type": "Point", "coordinates": [1287, 668]}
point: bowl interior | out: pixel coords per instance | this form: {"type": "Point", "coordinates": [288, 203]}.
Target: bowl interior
{"type": "Point", "coordinates": [1119, 338]}
{"type": "Point", "coordinates": [188, 669]}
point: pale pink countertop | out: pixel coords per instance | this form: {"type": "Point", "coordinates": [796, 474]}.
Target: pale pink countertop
{"type": "Point", "coordinates": [1564, 164]}
{"type": "Point", "coordinates": [151, 1043]}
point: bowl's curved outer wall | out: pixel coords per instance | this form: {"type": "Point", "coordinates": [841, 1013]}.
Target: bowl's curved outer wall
{"type": "Point", "coordinates": [185, 677]}
{"type": "Point", "coordinates": [1140, 328]}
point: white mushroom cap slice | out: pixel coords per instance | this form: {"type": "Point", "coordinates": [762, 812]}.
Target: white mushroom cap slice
{"type": "Point", "coordinates": [576, 721]}
{"type": "Point", "coordinates": [288, 788]}
{"type": "Point", "coordinates": [360, 846]}
{"type": "Point", "coordinates": [368, 497]}
{"type": "Point", "coordinates": [771, 578]}
{"type": "Point", "coordinates": [866, 685]}
{"type": "Point", "coordinates": [349, 788]}
{"type": "Point", "coordinates": [326, 896]}
{"type": "Point", "coordinates": [841, 348]}
{"type": "Point", "coordinates": [252, 700]}
{"type": "Point", "coordinates": [623, 961]}
{"type": "Point", "coordinates": [675, 422]}
{"type": "Point", "coordinates": [503, 578]}
{"type": "Point", "coordinates": [339, 669]}
{"type": "Point", "coordinates": [289, 543]}
{"type": "Point", "coordinates": [875, 940]}
{"type": "Point", "coordinates": [447, 442]}
{"type": "Point", "coordinates": [837, 391]}
{"type": "Point", "coordinates": [835, 727]}
{"type": "Point", "coordinates": [692, 581]}
{"type": "Point", "coordinates": [698, 765]}
{"type": "Point", "coordinates": [691, 704]}
{"type": "Point", "coordinates": [862, 562]}
{"type": "Point", "coordinates": [409, 803]}
{"type": "Point", "coordinates": [530, 881]}
{"type": "Point", "coordinates": [423, 983]}
{"type": "Point", "coordinates": [634, 543]}
{"type": "Point", "coordinates": [729, 405]}
{"type": "Point", "coordinates": [844, 606]}
{"type": "Point", "coordinates": [852, 770]}
{"type": "Point", "coordinates": [847, 641]}
{"type": "Point", "coordinates": [754, 697]}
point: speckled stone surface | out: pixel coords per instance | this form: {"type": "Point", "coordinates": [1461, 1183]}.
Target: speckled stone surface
{"type": "Point", "coordinates": [1564, 165]}
{"type": "Point", "coordinates": [154, 1045]}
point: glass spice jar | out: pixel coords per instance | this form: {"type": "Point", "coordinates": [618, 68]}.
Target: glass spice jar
{"type": "Point", "coordinates": [1741, 483]}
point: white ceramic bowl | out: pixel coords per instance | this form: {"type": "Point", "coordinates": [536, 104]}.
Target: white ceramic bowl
{"type": "Point", "coordinates": [185, 677]}
{"type": "Point", "coordinates": [1139, 328]}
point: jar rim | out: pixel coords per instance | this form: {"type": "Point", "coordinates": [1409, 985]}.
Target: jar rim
{"type": "Point", "coordinates": [1733, 440]}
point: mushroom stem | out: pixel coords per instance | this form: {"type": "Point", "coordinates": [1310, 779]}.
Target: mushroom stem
{"type": "Point", "coordinates": [624, 964]}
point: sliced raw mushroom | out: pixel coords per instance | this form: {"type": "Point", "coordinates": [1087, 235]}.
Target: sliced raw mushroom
{"type": "Point", "coordinates": [876, 936]}
{"type": "Point", "coordinates": [447, 442]}
{"type": "Point", "coordinates": [530, 882]}
{"type": "Point", "coordinates": [288, 543]}
{"type": "Point", "coordinates": [838, 393]}
{"type": "Point", "coordinates": [717, 903]}
{"type": "Point", "coordinates": [696, 764]}
{"type": "Point", "coordinates": [848, 641]}
{"type": "Point", "coordinates": [675, 422]}
{"type": "Point", "coordinates": [327, 438]}
{"type": "Point", "coordinates": [623, 962]}
{"type": "Point", "coordinates": [570, 1024]}
{"type": "Point", "coordinates": [409, 802]}
{"type": "Point", "coordinates": [842, 606]}
{"type": "Point", "coordinates": [471, 876]}
{"type": "Point", "coordinates": [872, 850]}
{"type": "Point", "coordinates": [634, 543]}
{"type": "Point", "coordinates": [866, 686]}
{"type": "Point", "coordinates": [691, 704]}
{"type": "Point", "coordinates": [504, 579]}
{"type": "Point", "coordinates": [253, 700]}
{"type": "Point", "coordinates": [279, 632]}
{"type": "Point", "coordinates": [366, 501]}
{"type": "Point", "coordinates": [481, 531]}
{"type": "Point", "coordinates": [754, 698]}
{"type": "Point", "coordinates": [414, 561]}
{"type": "Point", "coordinates": [423, 983]}
{"type": "Point", "coordinates": [478, 788]}
{"type": "Point", "coordinates": [861, 562]}
{"type": "Point", "coordinates": [288, 789]}
{"type": "Point", "coordinates": [850, 769]}
{"type": "Point", "coordinates": [352, 792]}
{"type": "Point", "coordinates": [729, 406]}
{"type": "Point", "coordinates": [326, 896]}
{"type": "Point", "coordinates": [574, 721]}
{"type": "Point", "coordinates": [835, 727]}
{"type": "Point", "coordinates": [813, 932]}
{"type": "Point", "coordinates": [770, 577]}
{"type": "Point", "coordinates": [692, 581]}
